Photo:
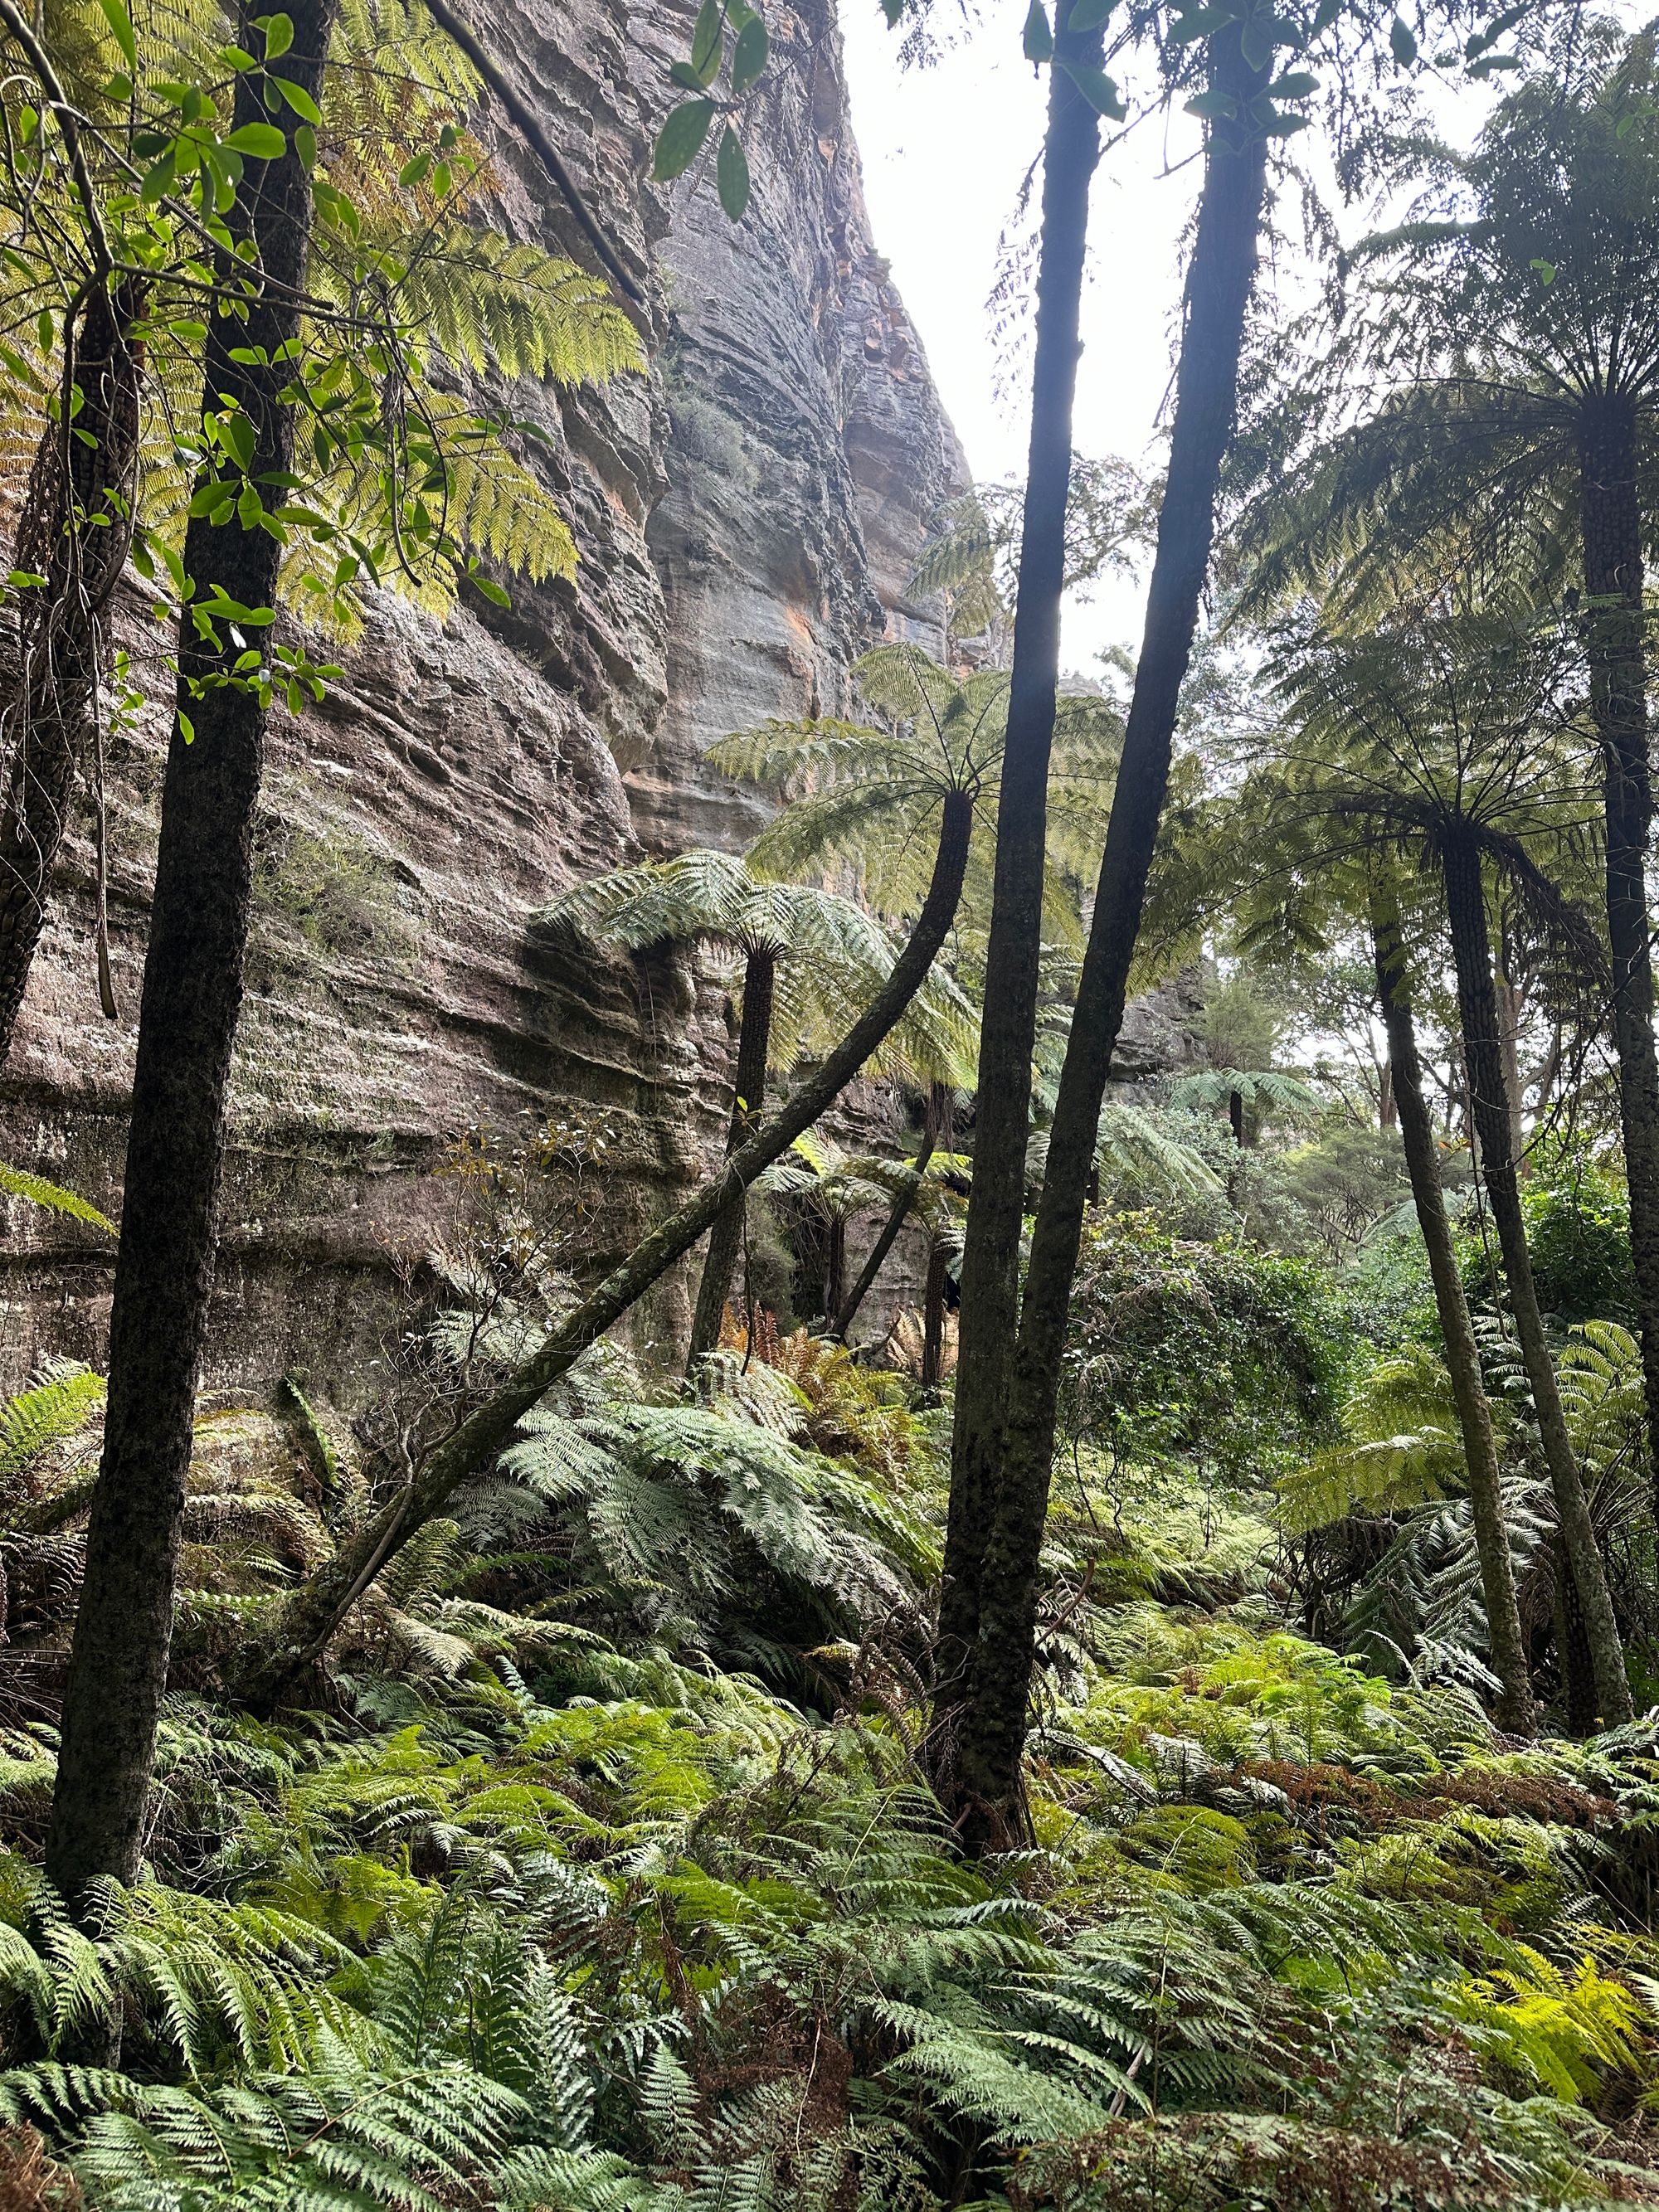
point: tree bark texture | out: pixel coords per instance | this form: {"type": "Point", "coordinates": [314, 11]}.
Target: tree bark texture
{"type": "Point", "coordinates": [1479, 1019]}
{"type": "Point", "coordinates": [187, 1025]}
{"type": "Point", "coordinates": [1508, 1651]}
{"type": "Point", "coordinates": [938, 1115]}
{"type": "Point", "coordinates": [989, 1310]}
{"type": "Point", "coordinates": [317, 1606]}
{"type": "Point", "coordinates": [978, 1733]}
{"type": "Point", "coordinates": [933, 1316]}
{"type": "Point", "coordinates": [1615, 647]}
{"type": "Point", "coordinates": [74, 532]}
{"type": "Point", "coordinates": [748, 1097]}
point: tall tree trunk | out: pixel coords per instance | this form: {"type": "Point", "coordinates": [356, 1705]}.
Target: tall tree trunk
{"type": "Point", "coordinates": [978, 1732]}
{"type": "Point", "coordinates": [1509, 1014]}
{"type": "Point", "coordinates": [748, 1097]}
{"type": "Point", "coordinates": [316, 1608]}
{"type": "Point", "coordinates": [1477, 1018]}
{"type": "Point", "coordinates": [1615, 648]}
{"type": "Point", "coordinates": [187, 1025]}
{"type": "Point", "coordinates": [1509, 1652]}
{"type": "Point", "coordinates": [989, 1310]}
{"type": "Point", "coordinates": [933, 1316]}
{"type": "Point", "coordinates": [74, 532]}
{"type": "Point", "coordinates": [1387, 1112]}
{"type": "Point", "coordinates": [936, 1122]}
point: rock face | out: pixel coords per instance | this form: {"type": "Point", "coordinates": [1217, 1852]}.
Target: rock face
{"type": "Point", "coordinates": [747, 514]}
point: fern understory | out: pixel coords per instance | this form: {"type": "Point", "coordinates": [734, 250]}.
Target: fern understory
{"type": "Point", "coordinates": [599, 1873]}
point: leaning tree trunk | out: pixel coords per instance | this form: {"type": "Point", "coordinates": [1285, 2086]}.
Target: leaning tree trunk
{"type": "Point", "coordinates": [73, 533]}
{"type": "Point", "coordinates": [1477, 1018]}
{"type": "Point", "coordinates": [316, 1608]}
{"type": "Point", "coordinates": [989, 1311]}
{"type": "Point", "coordinates": [726, 1238]}
{"type": "Point", "coordinates": [1508, 1650]}
{"type": "Point", "coordinates": [936, 1122]}
{"type": "Point", "coordinates": [187, 1026]}
{"type": "Point", "coordinates": [978, 1731]}
{"type": "Point", "coordinates": [1614, 647]}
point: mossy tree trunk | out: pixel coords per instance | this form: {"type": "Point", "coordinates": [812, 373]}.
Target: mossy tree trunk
{"type": "Point", "coordinates": [977, 1734]}
{"type": "Point", "coordinates": [748, 1097]}
{"type": "Point", "coordinates": [1509, 1652]}
{"type": "Point", "coordinates": [192, 994]}
{"type": "Point", "coordinates": [1479, 1019]}
{"type": "Point", "coordinates": [989, 1311]}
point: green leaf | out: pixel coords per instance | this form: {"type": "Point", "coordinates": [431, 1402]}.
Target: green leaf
{"type": "Point", "coordinates": [299, 100]}
{"type": "Point", "coordinates": [1213, 106]}
{"type": "Point", "coordinates": [1037, 39]}
{"type": "Point", "coordinates": [1257, 41]}
{"type": "Point", "coordinates": [1546, 270]}
{"type": "Point", "coordinates": [262, 141]}
{"type": "Point", "coordinates": [115, 15]}
{"type": "Point", "coordinates": [749, 55]}
{"type": "Point", "coordinates": [237, 436]}
{"type": "Point", "coordinates": [1199, 23]}
{"type": "Point", "coordinates": [686, 77]}
{"type": "Point", "coordinates": [412, 172]}
{"type": "Point", "coordinates": [1296, 84]}
{"type": "Point", "coordinates": [680, 140]}
{"type": "Point", "coordinates": [731, 175]}
{"type": "Point", "coordinates": [491, 590]}
{"type": "Point", "coordinates": [1088, 14]}
{"type": "Point", "coordinates": [17, 1183]}
{"type": "Point", "coordinates": [706, 40]}
{"type": "Point", "coordinates": [1403, 40]}
{"type": "Point", "coordinates": [279, 33]}
{"type": "Point", "coordinates": [1098, 89]}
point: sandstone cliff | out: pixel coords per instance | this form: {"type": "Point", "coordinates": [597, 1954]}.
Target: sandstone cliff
{"type": "Point", "coordinates": [747, 514]}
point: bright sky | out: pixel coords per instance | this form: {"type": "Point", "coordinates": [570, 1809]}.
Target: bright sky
{"type": "Point", "coordinates": [946, 150]}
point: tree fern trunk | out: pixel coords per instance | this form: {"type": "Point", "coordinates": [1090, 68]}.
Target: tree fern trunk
{"type": "Point", "coordinates": [1616, 650]}
{"type": "Point", "coordinates": [1477, 1018]}
{"type": "Point", "coordinates": [990, 1265]}
{"type": "Point", "coordinates": [932, 1318]}
{"type": "Point", "coordinates": [72, 532]}
{"type": "Point", "coordinates": [1509, 1654]}
{"type": "Point", "coordinates": [748, 1097]}
{"type": "Point", "coordinates": [316, 1608]}
{"type": "Point", "coordinates": [187, 1025]}
{"type": "Point", "coordinates": [978, 1732]}
{"type": "Point", "coordinates": [938, 1119]}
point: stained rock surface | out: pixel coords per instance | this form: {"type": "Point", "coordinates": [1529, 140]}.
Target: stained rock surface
{"type": "Point", "coordinates": [747, 514]}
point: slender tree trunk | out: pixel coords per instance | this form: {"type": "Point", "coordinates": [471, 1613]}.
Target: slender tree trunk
{"type": "Point", "coordinates": [932, 1318]}
{"type": "Point", "coordinates": [835, 1265]}
{"type": "Point", "coordinates": [977, 1741]}
{"type": "Point", "coordinates": [748, 1097]}
{"type": "Point", "coordinates": [316, 1608]}
{"type": "Point", "coordinates": [1572, 1651]}
{"type": "Point", "coordinates": [1509, 1044]}
{"type": "Point", "coordinates": [938, 1119]}
{"type": "Point", "coordinates": [1387, 1112]}
{"type": "Point", "coordinates": [1615, 646]}
{"type": "Point", "coordinates": [187, 1025]}
{"type": "Point", "coordinates": [989, 1311]}
{"type": "Point", "coordinates": [1509, 1652]}
{"type": "Point", "coordinates": [74, 532]}
{"type": "Point", "coordinates": [1478, 1017]}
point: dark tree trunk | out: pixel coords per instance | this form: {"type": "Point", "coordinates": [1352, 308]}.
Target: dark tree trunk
{"type": "Point", "coordinates": [317, 1606]}
{"type": "Point", "coordinates": [1479, 1019]}
{"type": "Point", "coordinates": [187, 1025]}
{"type": "Point", "coordinates": [74, 532]}
{"type": "Point", "coordinates": [1236, 1116]}
{"type": "Point", "coordinates": [835, 1267]}
{"type": "Point", "coordinates": [1572, 1651]}
{"type": "Point", "coordinates": [978, 1731]}
{"type": "Point", "coordinates": [1509, 1654]}
{"type": "Point", "coordinates": [932, 1318]}
{"type": "Point", "coordinates": [1615, 648]}
{"type": "Point", "coordinates": [1387, 1116]}
{"type": "Point", "coordinates": [938, 1121]}
{"type": "Point", "coordinates": [989, 1310]}
{"type": "Point", "coordinates": [748, 1097]}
